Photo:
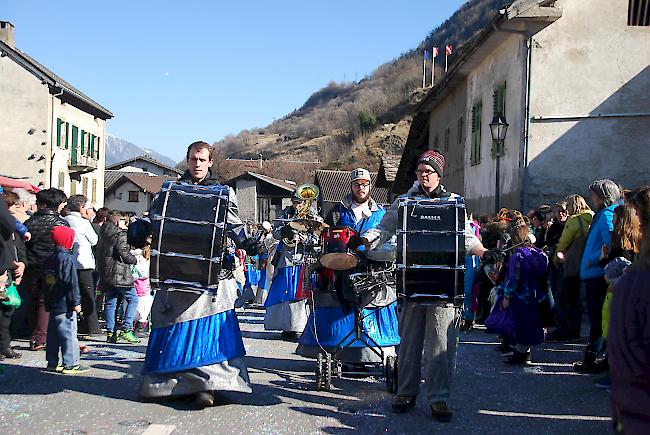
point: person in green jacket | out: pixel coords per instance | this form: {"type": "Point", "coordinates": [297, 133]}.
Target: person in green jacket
{"type": "Point", "coordinates": [567, 256]}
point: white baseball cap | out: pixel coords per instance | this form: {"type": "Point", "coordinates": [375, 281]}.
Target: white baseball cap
{"type": "Point", "coordinates": [267, 225]}
{"type": "Point", "coordinates": [360, 174]}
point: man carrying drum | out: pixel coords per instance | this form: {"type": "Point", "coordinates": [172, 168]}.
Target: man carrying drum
{"type": "Point", "coordinates": [332, 319]}
{"type": "Point", "coordinates": [431, 326]}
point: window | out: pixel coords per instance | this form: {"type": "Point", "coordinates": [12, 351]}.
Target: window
{"type": "Point", "coordinates": [475, 152]}
{"type": "Point", "coordinates": [73, 187]}
{"type": "Point", "coordinates": [59, 138]}
{"type": "Point", "coordinates": [61, 183]}
{"type": "Point", "coordinates": [638, 13]}
{"type": "Point", "coordinates": [499, 107]}
{"type": "Point", "coordinates": [447, 135]}
{"type": "Point", "coordinates": [91, 146]}
{"type": "Point", "coordinates": [96, 147]}
{"type": "Point", "coordinates": [93, 197]}
{"type": "Point", "coordinates": [84, 187]}
{"type": "Point", "coordinates": [133, 196]}
{"type": "Point", "coordinates": [461, 130]}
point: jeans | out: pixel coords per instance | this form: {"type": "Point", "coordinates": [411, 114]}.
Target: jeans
{"type": "Point", "coordinates": [130, 297]}
{"type": "Point", "coordinates": [62, 334]}
{"type": "Point", "coordinates": [596, 290]}
{"type": "Point", "coordinates": [89, 324]}
{"type": "Point", "coordinates": [434, 328]}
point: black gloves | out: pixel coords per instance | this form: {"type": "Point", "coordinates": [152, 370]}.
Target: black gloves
{"type": "Point", "coordinates": [354, 243]}
{"type": "Point", "coordinates": [251, 246]}
{"type": "Point", "coordinates": [287, 232]}
{"type": "Point", "coordinates": [493, 256]}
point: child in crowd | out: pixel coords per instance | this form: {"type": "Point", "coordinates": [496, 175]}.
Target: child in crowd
{"type": "Point", "coordinates": [142, 288]}
{"type": "Point", "coordinates": [63, 302]}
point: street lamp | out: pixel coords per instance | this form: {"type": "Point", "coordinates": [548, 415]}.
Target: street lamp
{"type": "Point", "coordinates": [498, 129]}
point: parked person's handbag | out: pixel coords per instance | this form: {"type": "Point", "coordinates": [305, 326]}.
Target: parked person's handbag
{"type": "Point", "coordinates": [574, 253]}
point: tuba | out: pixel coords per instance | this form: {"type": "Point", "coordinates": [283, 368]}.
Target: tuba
{"type": "Point", "coordinates": [309, 194]}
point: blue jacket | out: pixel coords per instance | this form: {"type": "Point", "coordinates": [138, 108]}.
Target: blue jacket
{"type": "Point", "coordinates": [62, 285]}
{"type": "Point", "coordinates": [600, 233]}
{"type": "Point", "coordinates": [342, 215]}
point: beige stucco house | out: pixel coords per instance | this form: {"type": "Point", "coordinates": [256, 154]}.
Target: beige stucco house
{"type": "Point", "coordinates": [572, 79]}
{"type": "Point", "coordinates": [51, 134]}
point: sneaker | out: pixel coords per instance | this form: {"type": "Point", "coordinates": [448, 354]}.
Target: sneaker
{"type": "Point", "coordinates": [33, 346]}
{"type": "Point", "coordinates": [10, 353]}
{"type": "Point", "coordinates": [402, 404]}
{"type": "Point", "coordinates": [111, 337]}
{"type": "Point", "coordinates": [54, 369]}
{"type": "Point", "coordinates": [440, 411]}
{"type": "Point", "coordinates": [128, 337]}
{"type": "Point", "coordinates": [76, 370]}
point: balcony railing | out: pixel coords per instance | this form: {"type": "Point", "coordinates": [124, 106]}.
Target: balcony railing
{"type": "Point", "coordinates": [79, 162]}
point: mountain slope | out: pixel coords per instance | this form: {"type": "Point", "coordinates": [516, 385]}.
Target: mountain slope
{"type": "Point", "coordinates": [349, 124]}
{"type": "Point", "coordinates": [118, 150]}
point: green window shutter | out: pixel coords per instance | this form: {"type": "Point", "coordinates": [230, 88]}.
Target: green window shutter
{"type": "Point", "coordinates": [92, 145]}
{"type": "Point", "coordinates": [58, 132]}
{"type": "Point", "coordinates": [97, 149]}
{"type": "Point", "coordinates": [67, 132]}
{"type": "Point", "coordinates": [75, 145]}
{"type": "Point", "coordinates": [83, 140]}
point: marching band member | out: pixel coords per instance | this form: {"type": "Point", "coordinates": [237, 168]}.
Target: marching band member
{"type": "Point", "coordinates": [284, 311]}
{"type": "Point", "coordinates": [331, 319]}
{"type": "Point", "coordinates": [433, 327]}
{"type": "Point", "coordinates": [195, 346]}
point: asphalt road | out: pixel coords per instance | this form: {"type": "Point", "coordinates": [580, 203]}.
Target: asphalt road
{"type": "Point", "coordinates": [487, 397]}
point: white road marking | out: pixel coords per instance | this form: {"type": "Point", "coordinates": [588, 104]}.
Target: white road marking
{"type": "Point", "coordinates": [159, 429]}
{"type": "Point", "coordinates": [549, 416]}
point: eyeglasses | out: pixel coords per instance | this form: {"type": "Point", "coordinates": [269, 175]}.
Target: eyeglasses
{"type": "Point", "coordinates": [361, 185]}
{"type": "Point", "coordinates": [424, 173]}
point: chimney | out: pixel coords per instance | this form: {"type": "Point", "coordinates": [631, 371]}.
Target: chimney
{"type": "Point", "coordinates": [7, 33]}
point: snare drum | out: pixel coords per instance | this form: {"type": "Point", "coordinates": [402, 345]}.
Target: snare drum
{"type": "Point", "coordinates": [336, 255]}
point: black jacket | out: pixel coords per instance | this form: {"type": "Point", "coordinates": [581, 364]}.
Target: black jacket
{"type": "Point", "coordinates": [114, 258]}
{"type": "Point", "coordinates": [62, 286]}
{"type": "Point", "coordinates": [40, 247]}
{"type": "Point", "coordinates": [7, 228]}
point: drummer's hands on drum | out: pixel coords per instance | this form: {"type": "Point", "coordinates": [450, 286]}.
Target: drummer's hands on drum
{"type": "Point", "coordinates": [355, 242]}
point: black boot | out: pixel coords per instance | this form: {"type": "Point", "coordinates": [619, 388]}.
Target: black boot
{"type": "Point", "coordinates": [518, 358]}
{"type": "Point", "coordinates": [588, 365]}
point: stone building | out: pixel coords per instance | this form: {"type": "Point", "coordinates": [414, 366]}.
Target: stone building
{"type": "Point", "coordinates": [51, 134]}
{"type": "Point", "coordinates": [132, 191]}
{"type": "Point", "coordinates": [572, 79]}
{"type": "Point", "coordinates": [259, 197]}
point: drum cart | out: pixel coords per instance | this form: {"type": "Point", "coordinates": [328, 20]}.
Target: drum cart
{"type": "Point", "coordinates": [365, 287]}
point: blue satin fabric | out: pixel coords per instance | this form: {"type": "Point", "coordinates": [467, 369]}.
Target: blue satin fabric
{"type": "Point", "coordinates": [284, 286]}
{"type": "Point", "coordinates": [262, 281]}
{"type": "Point", "coordinates": [195, 343]}
{"type": "Point", "coordinates": [252, 276]}
{"type": "Point", "coordinates": [333, 324]}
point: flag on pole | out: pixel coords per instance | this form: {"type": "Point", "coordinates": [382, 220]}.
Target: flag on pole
{"type": "Point", "coordinates": [424, 68]}
{"type": "Point", "coordinates": [447, 53]}
{"type": "Point", "coordinates": [434, 52]}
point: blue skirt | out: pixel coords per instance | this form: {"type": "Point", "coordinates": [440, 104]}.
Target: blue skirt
{"type": "Point", "coordinates": [252, 276]}
{"type": "Point", "coordinates": [333, 324]}
{"type": "Point", "coordinates": [284, 286]}
{"type": "Point", "coordinates": [262, 282]}
{"type": "Point", "coordinates": [195, 343]}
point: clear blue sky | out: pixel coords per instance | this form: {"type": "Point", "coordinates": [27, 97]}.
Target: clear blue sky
{"type": "Point", "coordinates": [175, 72]}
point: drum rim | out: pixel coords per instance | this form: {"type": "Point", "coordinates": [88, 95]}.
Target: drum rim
{"type": "Point", "coordinates": [347, 255]}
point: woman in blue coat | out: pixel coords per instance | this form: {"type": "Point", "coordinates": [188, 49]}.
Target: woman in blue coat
{"type": "Point", "coordinates": [605, 196]}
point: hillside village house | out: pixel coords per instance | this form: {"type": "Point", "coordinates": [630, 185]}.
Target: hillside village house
{"type": "Point", "coordinates": [145, 163]}
{"type": "Point", "coordinates": [572, 80]}
{"type": "Point", "coordinates": [259, 197]}
{"type": "Point", "coordinates": [51, 134]}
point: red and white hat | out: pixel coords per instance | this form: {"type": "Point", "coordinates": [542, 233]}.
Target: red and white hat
{"type": "Point", "coordinates": [433, 159]}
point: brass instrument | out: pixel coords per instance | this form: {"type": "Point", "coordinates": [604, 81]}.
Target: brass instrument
{"type": "Point", "coordinates": [308, 193]}
{"type": "Point", "coordinates": [306, 218]}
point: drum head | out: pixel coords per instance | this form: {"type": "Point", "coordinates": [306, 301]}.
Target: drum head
{"type": "Point", "coordinates": [339, 261]}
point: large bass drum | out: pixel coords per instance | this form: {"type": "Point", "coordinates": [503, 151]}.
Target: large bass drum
{"type": "Point", "coordinates": [430, 256]}
{"type": "Point", "coordinates": [189, 234]}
